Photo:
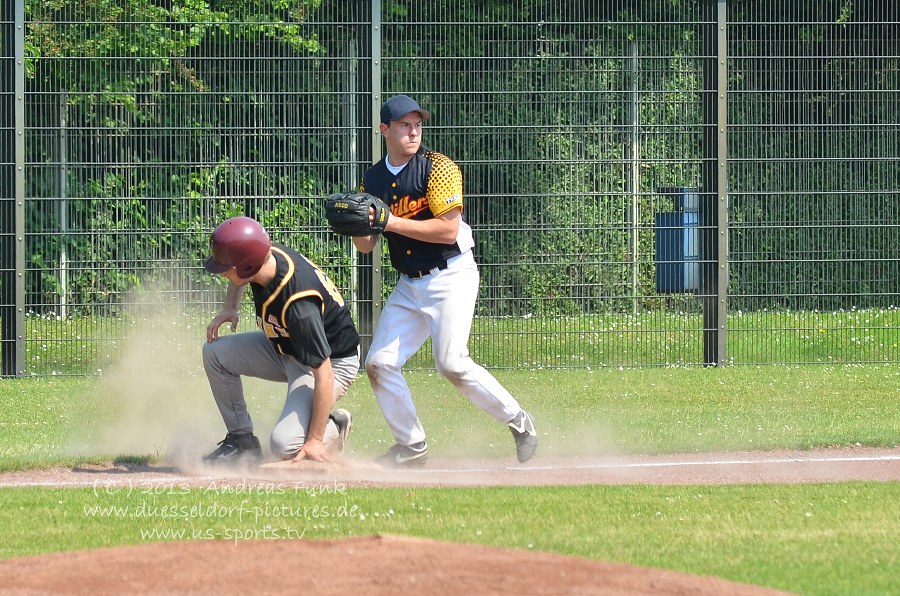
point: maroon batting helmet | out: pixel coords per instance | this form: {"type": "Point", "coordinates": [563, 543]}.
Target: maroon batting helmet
{"type": "Point", "coordinates": [238, 243]}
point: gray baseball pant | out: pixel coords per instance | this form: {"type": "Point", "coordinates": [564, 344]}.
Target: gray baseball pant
{"type": "Point", "coordinates": [251, 354]}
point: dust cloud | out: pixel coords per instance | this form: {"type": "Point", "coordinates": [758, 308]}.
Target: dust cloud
{"type": "Point", "coordinates": [156, 399]}
{"type": "Point", "coordinates": [156, 402]}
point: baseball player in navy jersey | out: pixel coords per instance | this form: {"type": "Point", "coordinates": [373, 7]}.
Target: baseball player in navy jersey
{"type": "Point", "coordinates": [306, 338]}
{"type": "Point", "coordinates": [431, 246]}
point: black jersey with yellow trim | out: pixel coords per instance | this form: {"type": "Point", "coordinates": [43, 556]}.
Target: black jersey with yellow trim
{"type": "Point", "coordinates": [302, 312]}
{"type": "Point", "coordinates": [428, 186]}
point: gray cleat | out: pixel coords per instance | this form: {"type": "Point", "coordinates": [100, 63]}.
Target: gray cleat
{"type": "Point", "coordinates": [405, 456]}
{"type": "Point", "coordinates": [523, 431]}
{"type": "Point", "coordinates": [344, 422]}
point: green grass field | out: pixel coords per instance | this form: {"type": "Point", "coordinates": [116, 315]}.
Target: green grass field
{"type": "Point", "coordinates": [86, 345]}
{"type": "Point", "coordinates": [833, 538]}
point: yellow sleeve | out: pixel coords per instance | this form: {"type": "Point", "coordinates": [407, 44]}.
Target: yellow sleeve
{"type": "Point", "coordinates": [444, 186]}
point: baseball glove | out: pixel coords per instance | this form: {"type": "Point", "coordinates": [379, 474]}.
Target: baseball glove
{"type": "Point", "coordinates": [348, 214]}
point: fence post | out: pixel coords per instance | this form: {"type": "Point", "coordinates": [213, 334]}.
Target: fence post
{"type": "Point", "coordinates": [369, 265]}
{"type": "Point", "coordinates": [19, 101]}
{"type": "Point", "coordinates": [714, 197]}
{"type": "Point", "coordinates": [12, 182]}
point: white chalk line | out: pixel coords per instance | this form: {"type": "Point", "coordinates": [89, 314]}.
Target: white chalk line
{"type": "Point", "coordinates": [678, 464]}
{"type": "Point", "coordinates": [176, 479]}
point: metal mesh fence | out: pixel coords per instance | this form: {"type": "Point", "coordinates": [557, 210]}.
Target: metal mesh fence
{"type": "Point", "coordinates": [649, 183]}
{"type": "Point", "coordinates": [814, 238]}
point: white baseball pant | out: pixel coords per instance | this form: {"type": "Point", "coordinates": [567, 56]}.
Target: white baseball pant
{"type": "Point", "coordinates": [441, 305]}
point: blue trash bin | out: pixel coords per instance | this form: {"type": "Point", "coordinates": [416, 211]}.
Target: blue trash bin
{"type": "Point", "coordinates": [678, 243]}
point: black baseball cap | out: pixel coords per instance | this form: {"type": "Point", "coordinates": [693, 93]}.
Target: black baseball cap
{"type": "Point", "coordinates": [399, 106]}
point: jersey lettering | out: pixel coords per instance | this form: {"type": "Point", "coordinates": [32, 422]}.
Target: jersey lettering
{"type": "Point", "coordinates": [326, 282]}
{"type": "Point", "coordinates": [308, 336]}
{"type": "Point", "coordinates": [271, 330]}
{"type": "Point", "coordinates": [428, 187]}
{"type": "Point", "coordinates": [407, 207]}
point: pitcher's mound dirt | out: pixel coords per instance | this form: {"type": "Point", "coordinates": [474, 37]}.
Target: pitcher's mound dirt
{"type": "Point", "coordinates": [371, 565]}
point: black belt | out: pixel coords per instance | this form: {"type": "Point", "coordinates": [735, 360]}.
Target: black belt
{"type": "Point", "coordinates": [424, 272]}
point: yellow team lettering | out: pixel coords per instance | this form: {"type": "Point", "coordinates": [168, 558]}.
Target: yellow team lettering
{"type": "Point", "coordinates": [330, 287]}
{"type": "Point", "coordinates": [407, 207]}
{"type": "Point", "coordinates": [271, 331]}
{"type": "Point", "coordinates": [326, 281]}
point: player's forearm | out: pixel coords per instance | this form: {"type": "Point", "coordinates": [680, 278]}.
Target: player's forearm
{"type": "Point", "coordinates": [233, 297]}
{"type": "Point", "coordinates": [365, 244]}
{"type": "Point", "coordinates": [440, 230]}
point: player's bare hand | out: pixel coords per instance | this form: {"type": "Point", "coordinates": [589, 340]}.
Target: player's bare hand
{"type": "Point", "coordinates": [315, 450]}
{"type": "Point", "coordinates": [225, 316]}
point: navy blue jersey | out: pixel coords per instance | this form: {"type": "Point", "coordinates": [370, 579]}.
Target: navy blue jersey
{"type": "Point", "coordinates": [428, 186]}
{"type": "Point", "coordinates": [302, 312]}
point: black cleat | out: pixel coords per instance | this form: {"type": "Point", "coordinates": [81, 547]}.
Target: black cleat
{"type": "Point", "coordinates": [236, 448]}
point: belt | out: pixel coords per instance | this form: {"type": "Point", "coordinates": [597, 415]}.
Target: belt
{"type": "Point", "coordinates": [424, 272]}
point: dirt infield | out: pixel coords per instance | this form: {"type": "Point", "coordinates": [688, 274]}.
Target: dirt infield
{"type": "Point", "coordinates": [393, 565]}
{"type": "Point", "coordinates": [825, 465]}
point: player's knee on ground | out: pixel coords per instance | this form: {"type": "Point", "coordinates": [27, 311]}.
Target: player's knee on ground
{"type": "Point", "coordinates": [284, 443]}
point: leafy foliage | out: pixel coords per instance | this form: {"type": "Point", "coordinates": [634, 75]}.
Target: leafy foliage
{"type": "Point", "coordinates": [179, 114]}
